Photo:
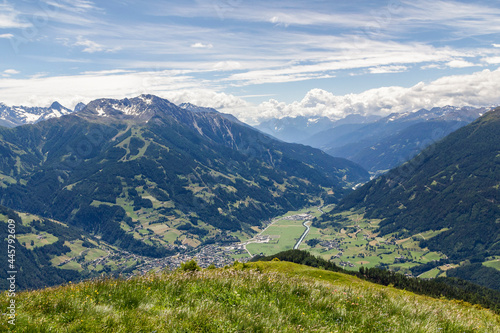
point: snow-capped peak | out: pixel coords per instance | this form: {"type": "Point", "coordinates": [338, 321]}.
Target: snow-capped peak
{"type": "Point", "coordinates": [12, 116]}
{"type": "Point", "coordinates": [140, 108]}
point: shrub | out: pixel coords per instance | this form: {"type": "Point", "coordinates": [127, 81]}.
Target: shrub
{"type": "Point", "coordinates": [190, 266]}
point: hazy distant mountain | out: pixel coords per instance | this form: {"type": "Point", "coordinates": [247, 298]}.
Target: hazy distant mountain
{"type": "Point", "coordinates": [397, 148]}
{"type": "Point", "coordinates": [295, 129]}
{"type": "Point", "coordinates": [388, 142]}
{"type": "Point", "coordinates": [300, 129]}
{"type": "Point", "coordinates": [356, 119]}
{"type": "Point", "coordinates": [11, 116]}
{"type": "Point", "coordinates": [79, 107]}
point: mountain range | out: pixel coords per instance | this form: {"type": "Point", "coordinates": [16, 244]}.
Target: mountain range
{"type": "Point", "coordinates": [388, 142]}
{"type": "Point", "coordinates": [377, 144]}
{"type": "Point", "coordinates": [148, 177]}
{"type": "Point", "coordinates": [451, 187]}
{"type": "Point", "coordinates": [299, 129]}
{"type": "Point", "coordinates": [118, 165]}
{"type": "Point", "coordinates": [12, 116]}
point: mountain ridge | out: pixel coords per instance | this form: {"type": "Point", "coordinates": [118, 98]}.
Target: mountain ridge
{"type": "Point", "coordinates": [452, 185]}
{"type": "Point", "coordinates": [392, 140]}
{"type": "Point", "coordinates": [12, 116]}
{"type": "Point", "coordinates": [119, 166]}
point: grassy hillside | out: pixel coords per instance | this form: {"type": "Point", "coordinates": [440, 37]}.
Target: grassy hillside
{"type": "Point", "coordinates": [260, 297]}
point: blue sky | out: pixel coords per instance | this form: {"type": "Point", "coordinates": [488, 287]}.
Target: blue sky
{"type": "Point", "coordinates": [255, 59]}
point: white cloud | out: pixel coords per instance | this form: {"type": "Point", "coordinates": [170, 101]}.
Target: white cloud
{"type": "Point", "coordinates": [6, 36]}
{"type": "Point", "coordinates": [9, 72]}
{"type": "Point", "coordinates": [81, 5]}
{"type": "Point", "coordinates": [69, 90]}
{"type": "Point", "coordinates": [202, 46]}
{"type": "Point", "coordinates": [492, 60]}
{"type": "Point", "coordinates": [209, 98]}
{"type": "Point", "coordinates": [73, 12]}
{"type": "Point", "coordinates": [495, 45]}
{"type": "Point", "coordinates": [392, 17]}
{"type": "Point", "coordinates": [387, 69]}
{"type": "Point", "coordinates": [276, 56]}
{"type": "Point", "coordinates": [107, 72]}
{"type": "Point", "coordinates": [347, 53]}
{"type": "Point", "coordinates": [9, 17]}
{"type": "Point", "coordinates": [39, 75]}
{"type": "Point", "coordinates": [478, 89]}
{"type": "Point", "coordinates": [227, 65]}
{"type": "Point", "coordinates": [432, 66]}
{"type": "Point", "coordinates": [466, 19]}
{"type": "Point", "coordinates": [459, 63]}
{"type": "Point", "coordinates": [264, 11]}
{"type": "Point", "coordinates": [73, 5]}
{"type": "Point", "coordinates": [89, 46]}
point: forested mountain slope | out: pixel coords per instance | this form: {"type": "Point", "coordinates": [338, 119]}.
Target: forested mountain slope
{"type": "Point", "coordinates": [453, 185]}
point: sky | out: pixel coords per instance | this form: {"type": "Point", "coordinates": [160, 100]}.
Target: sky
{"type": "Point", "coordinates": [254, 59]}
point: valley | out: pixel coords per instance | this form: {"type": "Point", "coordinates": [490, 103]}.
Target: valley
{"type": "Point", "coordinates": [354, 242]}
{"type": "Point", "coordinates": [250, 166]}
{"type": "Point", "coordinates": [162, 185]}
{"type": "Point", "coordinates": [144, 183]}
{"type": "Point", "coordinates": [351, 244]}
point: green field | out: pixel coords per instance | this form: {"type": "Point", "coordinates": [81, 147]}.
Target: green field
{"type": "Point", "coordinates": [94, 254]}
{"type": "Point", "coordinates": [73, 265]}
{"type": "Point", "coordinates": [239, 256]}
{"type": "Point", "coordinates": [357, 243]}
{"type": "Point", "coordinates": [433, 273]}
{"type": "Point", "coordinates": [495, 263]}
{"type": "Point", "coordinates": [39, 240]}
{"type": "Point", "coordinates": [283, 234]}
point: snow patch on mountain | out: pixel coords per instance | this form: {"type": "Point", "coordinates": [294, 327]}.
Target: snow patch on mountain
{"type": "Point", "coordinates": [148, 100]}
{"type": "Point", "coordinates": [130, 110]}
{"type": "Point", "coordinates": [12, 116]}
